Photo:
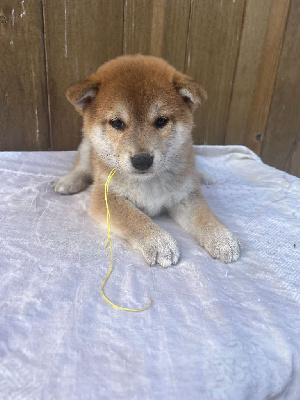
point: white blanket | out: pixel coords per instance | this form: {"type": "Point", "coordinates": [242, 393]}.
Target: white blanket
{"type": "Point", "coordinates": [215, 331]}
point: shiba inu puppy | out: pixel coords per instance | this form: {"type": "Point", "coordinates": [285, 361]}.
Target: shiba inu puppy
{"type": "Point", "coordinates": [137, 118]}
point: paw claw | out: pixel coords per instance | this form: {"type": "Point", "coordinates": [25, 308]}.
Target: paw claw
{"type": "Point", "coordinates": [160, 249]}
{"type": "Point", "coordinates": [223, 245]}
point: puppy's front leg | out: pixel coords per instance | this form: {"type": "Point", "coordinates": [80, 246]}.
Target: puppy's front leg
{"type": "Point", "coordinates": [81, 175]}
{"type": "Point", "coordinates": [194, 215]}
{"type": "Point", "coordinates": [156, 245]}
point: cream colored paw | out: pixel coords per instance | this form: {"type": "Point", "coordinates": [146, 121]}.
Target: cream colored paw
{"type": "Point", "coordinates": [159, 248]}
{"type": "Point", "coordinates": [222, 244]}
{"type": "Point", "coordinates": [74, 182]}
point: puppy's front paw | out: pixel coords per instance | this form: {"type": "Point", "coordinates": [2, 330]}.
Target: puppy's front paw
{"type": "Point", "coordinates": [222, 244]}
{"type": "Point", "coordinates": [159, 248]}
{"type": "Point", "coordinates": [74, 182]}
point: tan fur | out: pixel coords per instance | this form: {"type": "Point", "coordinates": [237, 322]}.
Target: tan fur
{"type": "Point", "coordinates": [138, 90]}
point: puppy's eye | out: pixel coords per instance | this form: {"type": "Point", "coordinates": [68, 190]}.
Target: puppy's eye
{"type": "Point", "coordinates": [160, 122]}
{"type": "Point", "coordinates": [117, 124]}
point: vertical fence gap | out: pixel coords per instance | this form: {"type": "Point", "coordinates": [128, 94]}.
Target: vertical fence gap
{"type": "Point", "coordinates": [123, 38]}
{"type": "Point", "coordinates": [234, 73]}
{"type": "Point", "coordinates": [49, 135]}
{"type": "Point", "coordinates": [187, 43]}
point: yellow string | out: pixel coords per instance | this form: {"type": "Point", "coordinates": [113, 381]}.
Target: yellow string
{"type": "Point", "coordinates": [108, 221]}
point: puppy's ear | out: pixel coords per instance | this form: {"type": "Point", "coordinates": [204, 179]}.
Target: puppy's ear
{"type": "Point", "coordinates": [81, 94]}
{"type": "Point", "coordinates": [191, 92]}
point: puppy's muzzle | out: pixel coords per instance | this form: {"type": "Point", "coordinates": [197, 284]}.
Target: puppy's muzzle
{"type": "Point", "coordinates": [142, 161]}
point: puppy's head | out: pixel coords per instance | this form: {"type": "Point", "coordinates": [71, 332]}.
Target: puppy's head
{"type": "Point", "coordinates": [137, 111]}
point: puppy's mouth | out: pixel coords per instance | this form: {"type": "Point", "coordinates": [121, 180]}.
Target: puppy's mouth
{"type": "Point", "coordinates": [144, 174]}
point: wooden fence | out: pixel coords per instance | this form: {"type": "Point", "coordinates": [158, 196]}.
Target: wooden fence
{"type": "Point", "coordinates": [246, 53]}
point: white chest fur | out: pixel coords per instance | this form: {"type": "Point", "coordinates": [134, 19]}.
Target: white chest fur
{"type": "Point", "coordinates": [156, 195]}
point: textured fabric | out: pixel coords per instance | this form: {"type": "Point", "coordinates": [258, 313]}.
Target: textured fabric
{"type": "Point", "coordinates": [215, 331]}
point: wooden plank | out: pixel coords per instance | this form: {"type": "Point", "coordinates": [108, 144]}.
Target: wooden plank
{"type": "Point", "coordinates": [253, 35]}
{"type": "Point", "coordinates": [23, 108]}
{"type": "Point", "coordinates": [258, 114]}
{"type": "Point", "coordinates": [176, 26]}
{"type": "Point", "coordinates": [281, 145]}
{"type": "Point", "coordinates": [137, 26]}
{"type": "Point", "coordinates": [158, 28]}
{"type": "Point", "coordinates": [212, 50]}
{"type": "Point", "coordinates": [80, 35]}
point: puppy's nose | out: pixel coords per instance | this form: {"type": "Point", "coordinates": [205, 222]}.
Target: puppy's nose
{"type": "Point", "coordinates": [142, 161]}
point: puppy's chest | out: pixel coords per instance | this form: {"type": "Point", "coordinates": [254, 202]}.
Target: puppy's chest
{"type": "Point", "coordinates": [155, 197]}
{"type": "Point", "coordinates": [151, 199]}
